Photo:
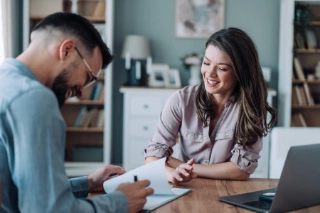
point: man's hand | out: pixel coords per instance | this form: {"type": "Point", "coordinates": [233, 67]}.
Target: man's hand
{"type": "Point", "coordinates": [136, 194]}
{"type": "Point", "coordinates": [102, 174]}
{"type": "Point", "coordinates": [183, 173]}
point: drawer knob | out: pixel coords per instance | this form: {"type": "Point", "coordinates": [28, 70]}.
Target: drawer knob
{"type": "Point", "coordinates": [146, 106]}
{"type": "Point", "coordinates": [145, 128]}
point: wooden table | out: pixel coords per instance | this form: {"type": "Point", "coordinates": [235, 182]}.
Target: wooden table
{"type": "Point", "coordinates": [205, 193]}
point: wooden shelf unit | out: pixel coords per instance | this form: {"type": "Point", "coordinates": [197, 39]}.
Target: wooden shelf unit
{"type": "Point", "coordinates": [305, 110]}
{"type": "Point", "coordinates": [97, 12]}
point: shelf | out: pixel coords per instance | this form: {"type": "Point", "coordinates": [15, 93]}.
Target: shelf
{"type": "Point", "coordinates": [315, 23]}
{"type": "Point", "coordinates": [93, 19]}
{"type": "Point", "coordinates": [307, 50]}
{"type": "Point", "coordinates": [88, 130]}
{"type": "Point", "coordinates": [85, 102]}
{"type": "Point", "coordinates": [316, 81]}
{"type": "Point", "coordinates": [96, 19]}
{"type": "Point", "coordinates": [295, 106]}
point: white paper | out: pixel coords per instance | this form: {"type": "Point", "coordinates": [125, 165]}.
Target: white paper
{"type": "Point", "coordinates": [155, 201]}
{"type": "Point", "coordinates": [154, 172]}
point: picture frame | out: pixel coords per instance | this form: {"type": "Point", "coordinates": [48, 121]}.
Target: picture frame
{"type": "Point", "coordinates": [199, 18]}
{"type": "Point", "coordinates": [158, 76]}
{"type": "Point", "coordinates": [311, 39]}
{"type": "Point", "coordinates": [172, 79]}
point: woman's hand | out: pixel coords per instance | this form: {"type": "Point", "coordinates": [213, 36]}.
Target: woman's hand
{"type": "Point", "coordinates": [183, 173]}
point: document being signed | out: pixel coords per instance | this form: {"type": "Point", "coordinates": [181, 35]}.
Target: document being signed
{"type": "Point", "coordinates": [155, 173]}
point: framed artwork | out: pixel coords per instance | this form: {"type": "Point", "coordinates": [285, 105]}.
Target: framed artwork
{"type": "Point", "coordinates": [172, 79]}
{"type": "Point", "coordinates": [199, 18]}
{"type": "Point", "coordinates": [158, 75]}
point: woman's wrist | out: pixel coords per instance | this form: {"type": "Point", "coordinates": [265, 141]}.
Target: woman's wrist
{"type": "Point", "coordinates": [173, 162]}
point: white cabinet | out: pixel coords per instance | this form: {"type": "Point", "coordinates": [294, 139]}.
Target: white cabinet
{"type": "Point", "coordinates": [100, 13]}
{"type": "Point", "coordinates": [264, 162]}
{"type": "Point", "coordinates": [142, 108]}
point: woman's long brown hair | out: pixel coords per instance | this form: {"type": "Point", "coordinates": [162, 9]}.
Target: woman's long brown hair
{"type": "Point", "coordinates": [251, 90]}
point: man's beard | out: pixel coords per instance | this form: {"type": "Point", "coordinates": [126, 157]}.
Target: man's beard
{"type": "Point", "coordinates": [60, 87]}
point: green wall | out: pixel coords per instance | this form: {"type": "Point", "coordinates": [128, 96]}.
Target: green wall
{"type": "Point", "coordinates": [155, 19]}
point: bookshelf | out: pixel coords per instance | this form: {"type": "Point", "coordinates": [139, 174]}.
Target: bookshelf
{"type": "Point", "coordinates": [90, 137]}
{"type": "Point", "coordinates": [299, 56]}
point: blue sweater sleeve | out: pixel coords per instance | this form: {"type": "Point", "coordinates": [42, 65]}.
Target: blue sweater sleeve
{"type": "Point", "coordinates": [80, 186]}
{"type": "Point", "coordinates": [37, 137]}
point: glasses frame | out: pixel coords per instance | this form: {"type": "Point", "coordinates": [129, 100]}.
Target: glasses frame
{"type": "Point", "coordinates": [95, 78]}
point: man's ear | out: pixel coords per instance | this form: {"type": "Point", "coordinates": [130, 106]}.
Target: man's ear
{"type": "Point", "coordinates": [66, 47]}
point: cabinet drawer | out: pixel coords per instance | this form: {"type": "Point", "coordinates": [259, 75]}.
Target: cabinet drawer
{"type": "Point", "coordinates": [145, 105]}
{"type": "Point", "coordinates": [145, 127]}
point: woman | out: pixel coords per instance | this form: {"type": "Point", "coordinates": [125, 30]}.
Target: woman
{"type": "Point", "coordinates": [220, 122]}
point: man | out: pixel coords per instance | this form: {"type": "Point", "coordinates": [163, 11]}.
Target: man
{"type": "Point", "coordinates": [65, 54]}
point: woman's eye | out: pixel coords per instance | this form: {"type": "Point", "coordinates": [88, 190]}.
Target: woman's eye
{"type": "Point", "coordinates": [223, 69]}
{"type": "Point", "coordinates": [205, 63]}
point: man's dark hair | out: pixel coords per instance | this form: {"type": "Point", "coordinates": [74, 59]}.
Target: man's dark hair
{"type": "Point", "coordinates": [79, 27]}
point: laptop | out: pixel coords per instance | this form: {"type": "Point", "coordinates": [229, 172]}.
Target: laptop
{"type": "Point", "coordinates": [298, 187]}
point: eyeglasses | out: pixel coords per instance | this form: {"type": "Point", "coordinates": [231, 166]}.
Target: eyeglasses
{"type": "Point", "coordinates": [94, 77]}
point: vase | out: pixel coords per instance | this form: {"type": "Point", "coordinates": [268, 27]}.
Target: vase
{"type": "Point", "coordinates": [195, 75]}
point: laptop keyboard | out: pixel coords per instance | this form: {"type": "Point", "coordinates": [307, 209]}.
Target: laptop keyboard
{"type": "Point", "coordinates": [261, 204]}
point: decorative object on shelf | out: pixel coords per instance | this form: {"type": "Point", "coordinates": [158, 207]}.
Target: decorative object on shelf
{"type": "Point", "coordinates": [172, 79]}
{"type": "Point", "coordinates": [303, 15]}
{"type": "Point", "coordinates": [198, 19]}
{"type": "Point", "coordinates": [158, 75]}
{"type": "Point", "coordinates": [136, 53]}
{"type": "Point", "coordinates": [192, 62]}
{"type": "Point", "coordinates": [304, 35]}
{"type": "Point", "coordinates": [317, 70]}
{"type": "Point", "coordinates": [311, 39]}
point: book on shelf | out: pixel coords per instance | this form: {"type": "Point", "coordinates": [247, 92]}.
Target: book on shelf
{"type": "Point", "coordinates": [154, 172]}
{"type": "Point", "coordinates": [299, 41]}
{"type": "Point", "coordinates": [96, 91]}
{"type": "Point", "coordinates": [88, 118]}
{"type": "Point", "coordinates": [84, 119]}
{"type": "Point", "coordinates": [300, 94]}
{"type": "Point", "coordinates": [303, 96]}
{"type": "Point", "coordinates": [294, 99]}
{"type": "Point", "coordinates": [298, 69]}
{"type": "Point", "coordinates": [100, 119]}
{"type": "Point", "coordinates": [93, 120]}
{"type": "Point", "coordinates": [308, 94]}
{"type": "Point", "coordinates": [80, 116]}
{"type": "Point", "coordinates": [99, 9]}
{"type": "Point", "coordinates": [297, 120]}
{"type": "Point", "coordinates": [101, 97]}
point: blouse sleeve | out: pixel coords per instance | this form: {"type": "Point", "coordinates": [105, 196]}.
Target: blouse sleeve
{"type": "Point", "coordinates": [247, 160]}
{"type": "Point", "coordinates": [167, 129]}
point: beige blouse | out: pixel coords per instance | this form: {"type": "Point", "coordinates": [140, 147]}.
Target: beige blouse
{"type": "Point", "coordinates": [179, 116]}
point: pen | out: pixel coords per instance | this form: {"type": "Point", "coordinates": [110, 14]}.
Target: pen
{"type": "Point", "coordinates": [135, 178]}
